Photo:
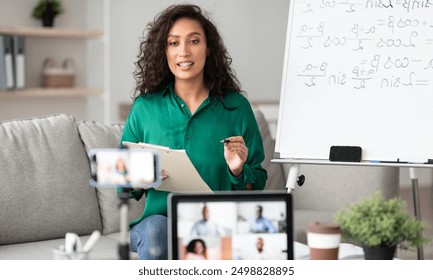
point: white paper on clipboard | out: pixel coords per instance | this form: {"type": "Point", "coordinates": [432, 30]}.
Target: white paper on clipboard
{"type": "Point", "coordinates": [182, 175]}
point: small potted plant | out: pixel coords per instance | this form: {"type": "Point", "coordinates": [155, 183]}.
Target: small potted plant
{"type": "Point", "coordinates": [47, 10]}
{"type": "Point", "coordinates": [379, 225]}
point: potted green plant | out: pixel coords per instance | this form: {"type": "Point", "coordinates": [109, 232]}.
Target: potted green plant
{"type": "Point", "coordinates": [47, 10]}
{"type": "Point", "coordinates": [379, 225]}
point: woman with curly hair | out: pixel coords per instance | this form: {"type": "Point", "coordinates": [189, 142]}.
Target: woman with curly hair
{"type": "Point", "coordinates": [188, 97]}
{"type": "Point", "coordinates": [196, 250]}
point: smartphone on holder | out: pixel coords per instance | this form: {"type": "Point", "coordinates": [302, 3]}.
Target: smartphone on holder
{"type": "Point", "coordinates": [125, 168]}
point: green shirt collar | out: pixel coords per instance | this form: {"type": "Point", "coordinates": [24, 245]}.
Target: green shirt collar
{"type": "Point", "coordinates": [169, 88]}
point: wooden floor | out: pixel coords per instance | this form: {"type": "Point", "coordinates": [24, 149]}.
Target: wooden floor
{"type": "Point", "coordinates": [426, 205]}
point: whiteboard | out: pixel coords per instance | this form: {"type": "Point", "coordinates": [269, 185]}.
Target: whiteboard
{"type": "Point", "coordinates": [358, 73]}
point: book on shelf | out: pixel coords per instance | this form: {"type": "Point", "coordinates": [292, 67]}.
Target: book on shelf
{"type": "Point", "coordinates": [12, 62]}
{"type": "Point", "coordinates": [9, 62]}
{"type": "Point", "coordinates": [19, 61]}
{"type": "Point", "coordinates": [7, 80]}
{"type": "Point", "coordinates": [2, 64]}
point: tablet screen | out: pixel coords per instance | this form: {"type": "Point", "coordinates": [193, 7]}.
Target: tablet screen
{"type": "Point", "coordinates": [231, 227]}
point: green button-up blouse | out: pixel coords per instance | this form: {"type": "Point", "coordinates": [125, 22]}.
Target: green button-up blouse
{"type": "Point", "coordinates": [164, 119]}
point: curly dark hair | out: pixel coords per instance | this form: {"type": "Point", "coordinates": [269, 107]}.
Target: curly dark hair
{"type": "Point", "coordinates": [191, 245]}
{"type": "Point", "coordinates": [153, 73]}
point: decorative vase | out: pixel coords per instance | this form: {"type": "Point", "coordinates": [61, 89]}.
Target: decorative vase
{"type": "Point", "coordinates": [379, 252]}
{"type": "Point", "coordinates": [47, 20]}
{"type": "Point", "coordinates": [48, 16]}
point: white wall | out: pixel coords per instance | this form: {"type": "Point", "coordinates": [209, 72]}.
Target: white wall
{"type": "Point", "coordinates": [253, 30]}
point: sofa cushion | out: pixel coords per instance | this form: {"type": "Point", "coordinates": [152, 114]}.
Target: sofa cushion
{"type": "Point", "coordinates": [98, 135]}
{"type": "Point", "coordinates": [330, 187]}
{"type": "Point", "coordinates": [44, 181]}
{"type": "Point", "coordinates": [275, 171]}
{"type": "Point", "coordinates": [104, 249]}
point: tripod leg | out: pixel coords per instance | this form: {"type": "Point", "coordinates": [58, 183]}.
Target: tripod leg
{"type": "Point", "coordinates": [123, 248]}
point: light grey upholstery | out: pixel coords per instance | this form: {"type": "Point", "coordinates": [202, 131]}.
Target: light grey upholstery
{"type": "Point", "coordinates": [105, 249]}
{"type": "Point", "coordinates": [327, 188]}
{"type": "Point", "coordinates": [44, 181]}
{"type": "Point", "coordinates": [276, 180]}
{"type": "Point", "coordinates": [98, 135]}
{"type": "Point", "coordinates": [45, 190]}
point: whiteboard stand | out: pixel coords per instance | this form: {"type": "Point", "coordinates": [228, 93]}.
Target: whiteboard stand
{"type": "Point", "coordinates": [416, 206]}
{"type": "Point", "coordinates": [293, 179]}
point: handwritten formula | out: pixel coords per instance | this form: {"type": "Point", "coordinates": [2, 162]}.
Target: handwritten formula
{"type": "Point", "coordinates": [356, 46]}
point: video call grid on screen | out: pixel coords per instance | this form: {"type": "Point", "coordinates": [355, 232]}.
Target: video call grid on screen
{"type": "Point", "coordinates": [231, 231]}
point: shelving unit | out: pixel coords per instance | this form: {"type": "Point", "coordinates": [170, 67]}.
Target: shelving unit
{"type": "Point", "coordinates": [61, 33]}
{"type": "Point", "coordinates": [50, 32]}
{"type": "Point", "coordinates": [82, 35]}
{"type": "Point", "coordinates": [50, 92]}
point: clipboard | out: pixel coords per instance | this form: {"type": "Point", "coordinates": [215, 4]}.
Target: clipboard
{"type": "Point", "coordinates": [182, 175]}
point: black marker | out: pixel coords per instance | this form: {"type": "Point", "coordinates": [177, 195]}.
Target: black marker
{"type": "Point", "coordinates": [225, 141]}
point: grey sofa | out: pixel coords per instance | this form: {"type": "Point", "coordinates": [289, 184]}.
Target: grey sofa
{"type": "Point", "coordinates": [45, 191]}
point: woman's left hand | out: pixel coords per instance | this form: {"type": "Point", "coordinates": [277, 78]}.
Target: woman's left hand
{"type": "Point", "coordinates": [235, 153]}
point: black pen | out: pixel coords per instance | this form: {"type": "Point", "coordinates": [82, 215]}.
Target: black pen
{"type": "Point", "coordinates": [225, 141]}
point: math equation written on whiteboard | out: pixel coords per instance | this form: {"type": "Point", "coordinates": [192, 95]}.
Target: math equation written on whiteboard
{"type": "Point", "coordinates": [361, 45]}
